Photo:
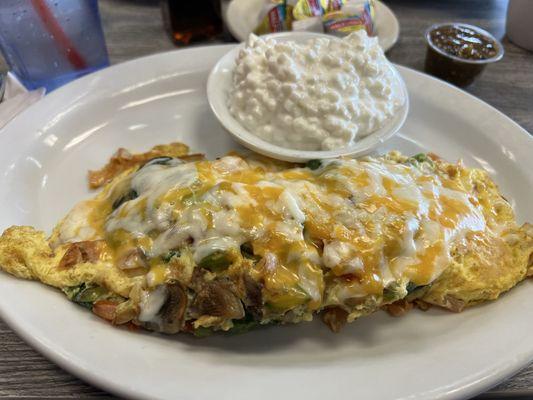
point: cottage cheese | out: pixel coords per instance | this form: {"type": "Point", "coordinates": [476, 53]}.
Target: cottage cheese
{"type": "Point", "coordinates": [322, 95]}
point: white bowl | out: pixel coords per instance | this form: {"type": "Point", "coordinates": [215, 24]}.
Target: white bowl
{"type": "Point", "coordinates": [220, 82]}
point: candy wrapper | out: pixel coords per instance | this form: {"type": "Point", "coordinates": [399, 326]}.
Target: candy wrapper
{"type": "Point", "coordinates": [338, 17]}
{"type": "Point", "coordinates": [303, 9]}
{"type": "Point", "coordinates": [332, 5]}
{"type": "Point", "coordinates": [274, 17]}
{"type": "Point", "coordinates": [353, 15]}
{"type": "Point", "coordinates": [307, 14]}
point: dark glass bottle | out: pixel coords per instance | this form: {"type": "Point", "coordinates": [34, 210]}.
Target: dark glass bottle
{"type": "Point", "coordinates": [190, 21]}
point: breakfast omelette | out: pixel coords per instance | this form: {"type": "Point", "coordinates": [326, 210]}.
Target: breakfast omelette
{"type": "Point", "coordinates": [177, 243]}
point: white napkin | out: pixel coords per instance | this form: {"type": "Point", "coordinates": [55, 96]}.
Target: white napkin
{"type": "Point", "coordinates": [16, 99]}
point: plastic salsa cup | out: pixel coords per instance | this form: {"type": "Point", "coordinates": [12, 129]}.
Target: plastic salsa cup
{"type": "Point", "coordinates": [453, 68]}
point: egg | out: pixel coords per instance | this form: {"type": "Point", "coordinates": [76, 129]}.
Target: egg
{"type": "Point", "coordinates": [180, 243]}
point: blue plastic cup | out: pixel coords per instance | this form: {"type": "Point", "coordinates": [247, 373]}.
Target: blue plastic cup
{"type": "Point", "coordinates": [48, 43]}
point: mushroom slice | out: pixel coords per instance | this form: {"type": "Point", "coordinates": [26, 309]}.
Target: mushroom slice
{"type": "Point", "coordinates": [335, 318]}
{"type": "Point", "coordinates": [254, 297]}
{"type": "Point", "coordinates": [217, 300]}
{"type": "Point", "coordinates": [132, 258]}
{"type": "Point", "coordinates": [81, 252]}
{"type": "Point", "coordinates": [173, 311]}
{"type": "Point", "coordinates": [163, 309]}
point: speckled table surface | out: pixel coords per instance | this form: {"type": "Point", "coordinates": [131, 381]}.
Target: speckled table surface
{"type": "Point", "coordinates": [133, 28]}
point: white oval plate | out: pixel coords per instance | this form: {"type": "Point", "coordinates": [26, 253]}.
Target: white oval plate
{"type": "Point", "coordinates": [46, 151]}
{"type": "Point", "coordinates": [241, 19]}
{"type": "Point", "coordinates": [219, 84]}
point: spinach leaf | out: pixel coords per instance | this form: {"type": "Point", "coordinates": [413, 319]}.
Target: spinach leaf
{"type": "Point", "coordinates": [129, 195]}
{"type": "Point", "coordinates": [170, 255]}
{"type": "Point", "coordinates": [158, 161]}
{"type": "Point", "coordinates": [313, 164]}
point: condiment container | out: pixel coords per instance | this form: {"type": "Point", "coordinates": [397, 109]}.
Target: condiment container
{"type": "Point", "coordinates": [458, 62]}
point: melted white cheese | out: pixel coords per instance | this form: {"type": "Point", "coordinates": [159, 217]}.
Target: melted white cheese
{"type": "Point", "coordinates": [74, 228]}
{"type": "Point", "coordinates": [208, 246]}
{"type": "Point", "coordinates": [191, 227]}
{"type": "Point", "coordinates": [151, 303]}
{"type": "Point", "coordinates": [150, 183]}
{"type": "Point", "coordinates": [291, 205]}
{"type": "Point", "coordinates": [389, 198]}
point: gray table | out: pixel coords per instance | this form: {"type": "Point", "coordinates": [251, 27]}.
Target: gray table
{"type": "Point", "coordinates": [134, 29]}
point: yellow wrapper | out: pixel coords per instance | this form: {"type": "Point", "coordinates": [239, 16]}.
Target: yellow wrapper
{"type": "Point", "coordinates": [273, 17]}
{"type": "Point", "coordinates": [303, 9]}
